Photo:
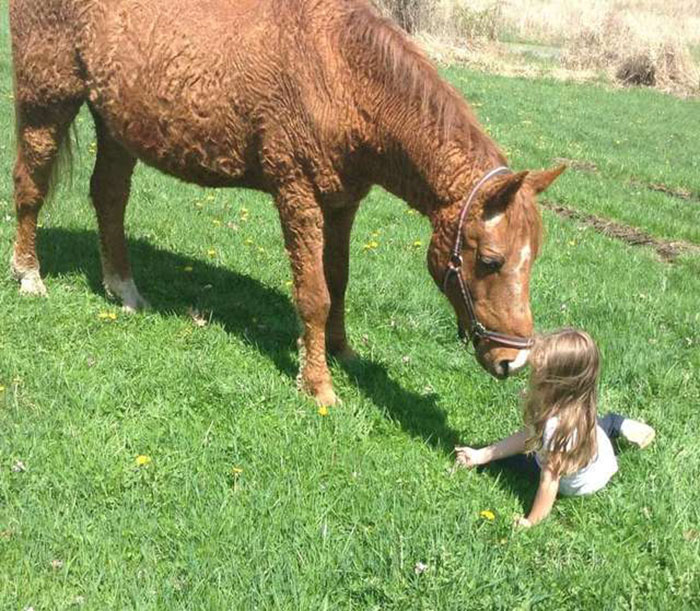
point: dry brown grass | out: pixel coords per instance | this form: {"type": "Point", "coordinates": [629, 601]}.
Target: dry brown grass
{"type": "Point", "coordinates": [633, 42]}
{"type": "Point", "coordinates": [635, 49]}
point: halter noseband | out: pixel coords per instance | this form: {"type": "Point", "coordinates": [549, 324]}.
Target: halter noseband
{"type": "Point", "coordinates": [476, 329]}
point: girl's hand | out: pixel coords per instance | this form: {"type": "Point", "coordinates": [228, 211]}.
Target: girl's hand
{"type": "Point", "coordinates": [468, 457]}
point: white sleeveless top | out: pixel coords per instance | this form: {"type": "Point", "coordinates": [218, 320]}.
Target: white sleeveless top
{"type": "Point", "coordinates": [593, 476]}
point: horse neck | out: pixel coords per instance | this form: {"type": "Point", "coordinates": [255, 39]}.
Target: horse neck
{"type": "Point", "coordinates": [427, 164]}
{"type": "Point", "coordinates": [421, 141]}
{"type": "Point", "coordinates": [428, 156]}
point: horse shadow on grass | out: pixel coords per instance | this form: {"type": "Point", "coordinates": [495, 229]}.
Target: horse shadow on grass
{"type": "Point", "coordinates": [261, 316]}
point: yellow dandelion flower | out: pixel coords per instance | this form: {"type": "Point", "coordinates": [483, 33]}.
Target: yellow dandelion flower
{"type": "Point", "coordinates": [288, 283]}
{"type": "Point", "coordinates": [323, 411]}
{"type": "Point", "coordinates": [210, 198]}
{"type": "Point", "coordinates": [244, 210]}
{"type": "Point", "coordinates": [107, 316]}
{"type": "Point", "coordinates": [236, 471]}
{"type": "Point", "coordinates": [418, 243]}
{"type": "Point", "coordinates": [487, 514]}
{"type": "Point", "coordinates": [2, 388]}
{"type": "Point", "coordinates": [142, 460]}
{"type": "Point", "coordinates": [217, 222]}
{"type": "Point", "coordinates": [211, 252]}
{"type": "Point", "coordinates": [371, 245]}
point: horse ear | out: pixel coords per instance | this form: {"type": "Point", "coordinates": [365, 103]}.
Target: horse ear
{"type": "Point", "coordinates": [500, 192]}
{"type": "Point", "coordinates": [540, 181]}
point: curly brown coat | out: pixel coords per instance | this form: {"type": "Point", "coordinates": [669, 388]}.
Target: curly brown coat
{"type": "Point", "coordinates": [311, 101]}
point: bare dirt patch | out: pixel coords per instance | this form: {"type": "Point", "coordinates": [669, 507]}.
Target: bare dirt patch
{"type": "Point", "coordinates": [666, 249]}
{"type": "Point", "coordinates": [577, 164]}
{"type": "Point", "coordinates": [677, 192]}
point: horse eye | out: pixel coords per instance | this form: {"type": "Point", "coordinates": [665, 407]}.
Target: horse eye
{"type": "Point", "coordinates": [491, 264]}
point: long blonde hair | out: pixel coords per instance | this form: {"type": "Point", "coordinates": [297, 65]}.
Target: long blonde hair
{"type": "Point", "coordinates": [564, 383]}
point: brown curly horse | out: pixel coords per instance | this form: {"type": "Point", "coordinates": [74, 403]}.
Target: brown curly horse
{"type": "Point", "coordinates": [312, 101]}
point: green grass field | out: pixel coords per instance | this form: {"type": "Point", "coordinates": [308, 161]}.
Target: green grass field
{"type": "Point", "coordinates": [251, 499]}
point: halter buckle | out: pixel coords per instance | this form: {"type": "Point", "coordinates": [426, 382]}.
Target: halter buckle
{"type": "Point", "coordinates": [455, 262]}
{"type": "Point", "coordinates": [479, 330]}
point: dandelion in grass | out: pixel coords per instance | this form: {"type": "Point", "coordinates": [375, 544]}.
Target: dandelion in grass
{"type": "Point", "coordinates": [417, 243]}
{"type": "Point", "coordinates": [2, 388]}
{"type": "Point", "coordinates": [373, 245]}
{"type": "Point", "coordinates": [143, 460]}
{"type": "Point", "coordinates": [488, 515]}
{"type": "Point", "coordinates": [211, 252]}
{"type": "Point", "coordinates": [216, 223]}
{"type": "Point", "coordinates": [107, 316]}
{"type": "Point", "coordinates": [323, 411]}
{"type": "Point", "coordinates": [236, 471]}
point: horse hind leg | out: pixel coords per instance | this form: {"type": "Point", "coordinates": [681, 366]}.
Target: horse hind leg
{"type": "Point", "coordinates": [40, 133]}
{"type": "Point", "coordinates": [337, 227]}
{"type": "Point", "coordinates": [109, 189]}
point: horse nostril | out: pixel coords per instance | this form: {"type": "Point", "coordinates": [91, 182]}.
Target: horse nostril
{"type": "Point", "coordinates": [504, 366]}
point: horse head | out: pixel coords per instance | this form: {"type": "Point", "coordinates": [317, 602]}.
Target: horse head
{"type": "Point", "coordinates": [481, 255]}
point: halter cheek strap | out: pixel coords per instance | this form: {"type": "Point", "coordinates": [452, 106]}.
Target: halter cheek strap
{"type": "Point", "coordinates": [476, 329]}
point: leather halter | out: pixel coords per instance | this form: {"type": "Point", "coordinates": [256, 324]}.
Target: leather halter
{"type": "Point", "coordinates": [478, 331]}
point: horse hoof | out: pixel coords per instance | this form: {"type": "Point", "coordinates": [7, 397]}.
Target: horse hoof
{"type": "Point", "coordinates": [32, 284]}
{"type": "Point", "coordinates": [344, 354]}
{"type": "Point", "coordinates": [326, 397]}
{"type": "Point", "coordinates": [126, 292]}
{"type": "Point", "coordinates": [135, 304]}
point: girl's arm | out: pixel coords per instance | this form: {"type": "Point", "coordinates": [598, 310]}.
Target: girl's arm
{"type": "Point", "coordinates": [545, 497]}
{"type": "Point", "coordinates": [471, 457]}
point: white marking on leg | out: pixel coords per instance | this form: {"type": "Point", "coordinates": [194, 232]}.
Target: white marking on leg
{"type": "Point", "coordinates": [29, 279]}
{"type": "Point", "coordinates": [32, 284]}
{"type": "Point", "coordinates": [125, 290]}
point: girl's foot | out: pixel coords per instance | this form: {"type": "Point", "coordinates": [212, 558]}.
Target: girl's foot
{"type": "Point", "coordinates": [636, 432]}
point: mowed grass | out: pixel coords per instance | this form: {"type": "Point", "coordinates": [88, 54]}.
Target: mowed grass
{"type": "Point", "coordinates": [622, 142]}
{"type": "Point", "coordinates": [251, 498]}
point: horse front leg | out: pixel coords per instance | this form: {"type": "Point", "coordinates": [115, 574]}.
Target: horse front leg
{"type": "Point", "coordinates": [302, 225]}
{"type": "Point", "coordinates": [337, 227]}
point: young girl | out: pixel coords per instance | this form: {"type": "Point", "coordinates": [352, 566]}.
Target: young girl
{"type": "Point", "coordinates": [572, 450]}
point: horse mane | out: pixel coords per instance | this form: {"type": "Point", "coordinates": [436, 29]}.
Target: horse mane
{"type": "Point", "coordinates": [378, 47]}
{"type": "Point", "coordinates": [382, 51]}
